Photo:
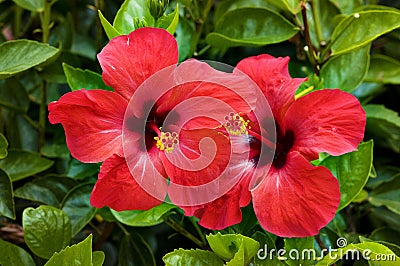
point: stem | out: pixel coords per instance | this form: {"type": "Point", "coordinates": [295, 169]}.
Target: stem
{"type": "Point", "coordinates": [123, 229]}
{"type": "Point", "coordinates": [322, 246]}
{"type": "Point", "coordinates": [306, 34]}
{"type": "Point", "coordinates": [200, 24]}
{"type": "Point", "coordinates": [178, 228]}
{"type": "Point", "coordinates": [198, 230]}
{"type": "Point", "coordinates": [317, 22]}
{"type": "Point", "coordinates": [45, 20]}
{"type": "Point", "coordinates": [17, 21]}
{"type": "Point", "coordinates": [99, 29]}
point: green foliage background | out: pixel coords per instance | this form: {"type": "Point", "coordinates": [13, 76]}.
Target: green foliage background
{"type": "Point", "coordinates": [49, 47]}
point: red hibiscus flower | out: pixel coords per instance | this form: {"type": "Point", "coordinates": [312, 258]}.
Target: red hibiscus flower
{"type": "Point", "coordinates": [144, 132]}
{"type": "Point", "coordinates": [295, 198]}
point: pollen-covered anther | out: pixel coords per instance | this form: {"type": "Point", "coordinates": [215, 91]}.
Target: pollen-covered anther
{"type": "Point", "coordinates": [167, 141]}
{"type": "Point", "coordinates": [235, 124]}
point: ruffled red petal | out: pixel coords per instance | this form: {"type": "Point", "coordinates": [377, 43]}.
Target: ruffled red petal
{"type": "Point", "coordinates": [128, 60]}
{"type": "Point", "coordinates": [116, 188]}
{"type": "Point", "coordinates": [330, 121]}
{"type": "Point", "coordinates": [92, 120]}
{"type": "Point", "coordinates": [296, 200]}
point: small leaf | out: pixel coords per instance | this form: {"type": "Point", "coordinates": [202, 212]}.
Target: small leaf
{"type": "Point", "coordinates": [388, 195]}
{"type": "Point", "coordinates": [31, 5]}
{"type": "Point", "coordinates": [252, 27]}
{"type": "Point", "coordinates": [346, 71]}
{"type": "Point", "coordinates": [384, 126]}
{"type": "Point", "coordinates": [7, 208]}
{"type": "Point", "coordinates": [130, 10]}
{"type": "Point", "coordinates": [235, 248]}
{"type": "Point", "coordinates": [181, 257]}
{"type": "Point", "coordinates": [20, 55]}
{"type": "Point", "coordinates": [170, 21]}
{"type": "Point", "coordinates": [75, 255]}
{"type": "Point", "coordinates": [13, 255]}
{"type": "Point", "coordinates": [77, 206]}
{"type": "Point", "coordinates": [20, 164]}
{"type": "Point", "coordinates": [98, 258]}
{"type": "Point", "coordinates": [352, 171]}
{"type": "Point", "coordinates": [135, 251]}
{"type": "Point", "coordinates": [111, 32]}
{"type": "Point", "coordinates": [383, 69]}
{"type": "Point", "coordinates": [46, 230]}
{"type": "Point", "coordinates": [359, 29]}
{"type": "Point", "coordinates": [3, 146]}
{"type": "Point", "coordinates": [83, 79]}
{"type": "Point", "coordinates": [143, 218]}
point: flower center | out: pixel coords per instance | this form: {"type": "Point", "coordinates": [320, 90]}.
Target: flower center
{"type": "Point", "coordinates": [283, 146]}
{"type": "Point", "coordinates": [166, 141]}
{"type": "Point", "coordinates": [235, 124]}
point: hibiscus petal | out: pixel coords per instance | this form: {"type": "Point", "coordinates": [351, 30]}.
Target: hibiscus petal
{"type": "Point", "coordinates": [330, 121]}
{"type": "Point", "coordinates": [128, 60]}
{"type": "Point", "coordinates": [92, 120]}
{"type": "Point", "coordinates": [116, 188]}
{"type": "Point", "coordinates": [272, 77]}
{"type": "Point", "coordinates": [296, 200]}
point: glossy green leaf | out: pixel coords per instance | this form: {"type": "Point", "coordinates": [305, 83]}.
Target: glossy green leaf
{"type": "Point", "coordinates": [300, 244]}
{"type": "Point", "coordinates": [20, 55]}
{"type": "Point", "coordinates": [129, 10]}
{"type": "Point", "coordinates": [251, 27]}
{"type": "Point", "coordinates": [46, 230]}
{"type": "Point", "coordinates": [363, 195]}
{"type": "Point", "coordinates": [76, 255]}
{"type": "Point", "coordinates": [229, 5]}
{"type": "Point", "coordinates": [20, 164]}
{"type": "Point", "coordinates": [286, 5]}
{"type": "Point", "coordinates": [3, 146]}
{"type": "Point", "coordinates": [111, 32]}
{"type": "Point", "coordinates": [383, 174]}
{"type": "Point", "coordinates": [98, 258]}
{"type": "Point", "coordinates": [49, 190]}
{"type": "Point", "coordinates": [352, 171]}
{"type": "Point", "coordinates": [13, 95]}
{"type": "Point", "coordinates": [55, 151]}
{"type": "Point", "coordinates": [346, 71]}
{"type": "Point", "coordinates": [386, 234]}
{"type": "Point", "coordinates": [13, 255]}
{"type": "Point", "coordinates": [361, 28]}
{"type": "Point", "coordinates": [169, 22]}
{"type": "Point", "coordinates": [346, 6]}
{"type": "Point", "coordinates": [7, 208]}
{"type": "Point", "coordinates": [267, 254]}
{"type": "Point", "coordinates": [371, 250]}
{"type": "Point", "coordinates": [384, 126]}
{"type": "Point", "coordinates": [387, 194]}
{"type": "Point", "coordinates": [83, 79]}
{"type": "Point", "coordinates": [197, 257]}
{"type": "Point", "coordinates": [235, 248]}
{"type": "Point", "coordinates": [383, 69]}
{"type": "Point", "coordinates": [31, 5]}
{"type": "Point", "coordinates": [77, 206]}
{"type": "Point", "coordinates": [78, 170]}
{"type": "Point", "coordinates": [143, 218]}
{"type": "Point", "coordinates": [184, 35]}
{"type": "Point", "coordinates": [135, 251]}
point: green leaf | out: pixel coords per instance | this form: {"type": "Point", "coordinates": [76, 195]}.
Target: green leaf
{"type": "Point", "coordinates": [83, 79]}
{"type": "Point", "coordinates": [252, 27]}
{"type": "Point", "coordinates": [388, 195]}
{"type": "Point", "coordinates": [3, 146]}
{"type": "Point", "coordinates": [347, 6]}
{"type": "Point", "coordinates": [135, 251]}
{"type": "Point", "coordinates": [229, 5]}
{"type": "Point", "coordinates": [267, 254]}
{"type": "Point", "coordinates": [361, 28]}
{"type": "Point", "coordinates": [13, 95]}
{"type": "Point", "coordinates": [20, 164]}
{"type": "Point", "coordinates": [111, 32]}
{"type": "Point", "coordinates": [384, 126]}
{"type": "Point", "coordinates": [20, 55]}
{"type": "Point", "coordinates": [46, 230]}
{"type": "Point", "coordinates": [386, 234]}
{"type": "Point", "coordinates": [286, 5]}
{"type": "Point", "coordinates": [75, 255]}
{"type": "Point", "coordinates": [383, 69]}
{"type": "Point", "coordinates": [184, 35]}
{"type": "Point", "coordinates": [13, 255]}
{"type": "Point", "coordinates": [346, 71]}
{"type": "Point", "coordinates": [31, 5]}
{"type": "Point", "coordinates": [235, 248]}
{"type": "Point", "coordinates": [78, 170]}
{"type": "Point", "coordinates": [197, 257]}
{"type": "Point", "coordinates": [383, 174]}
{"type": "Point", "coordinates": [300, 244]}
{"type": "Point", "coordinates": [55, 151]}
{"type": "Point", "coordinates": [129, 10]}
{"type": "Point", "coordinates": [77, 206]}
{"type": "Point", "coordinates": [363, 195]}
{"type": "Point", "coordinates": [49, 190]}
{"type": "Point", "coordinates": [352, 171]}
{"type": "Point", "coordinates": [7, 207]}
{"type": "Point", "coordinates": [143, 218]}
{"type": "Point", "coordinates": [170, 21]}
{"type": "Point", "coordinates": [98, 258]}
{"type": "Point", "coordinates": [371, 250]}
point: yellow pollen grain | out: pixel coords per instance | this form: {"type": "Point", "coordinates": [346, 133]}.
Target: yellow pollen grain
{"type": "Point", "coordinates": [167, 141]}
{"type": "Point", "coordinates": [236, 125]}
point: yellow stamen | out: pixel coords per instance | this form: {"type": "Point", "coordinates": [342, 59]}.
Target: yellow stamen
{"type": "Point", "coordinates": [167, 141]}
{"type": "Point", "coordinates": [304, 92]}
{"type": "Point", "coordinates": [236, 125]}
